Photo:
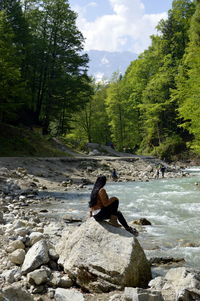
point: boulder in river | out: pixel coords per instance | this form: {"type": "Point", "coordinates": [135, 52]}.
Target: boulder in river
{"type": "Point", "coordinates": [102, 258]}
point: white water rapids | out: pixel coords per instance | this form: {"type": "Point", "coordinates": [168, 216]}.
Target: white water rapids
{"type": "Point", "coordinates": [171, 205]}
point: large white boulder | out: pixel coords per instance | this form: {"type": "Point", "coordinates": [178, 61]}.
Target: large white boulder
{"type": "Point", "coordinates": [102, 258]}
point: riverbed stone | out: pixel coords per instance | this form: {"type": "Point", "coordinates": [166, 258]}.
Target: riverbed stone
{"type": "Point", "coordinates": [35, 257]}
{"type": "Point", "coordinates": [178, 284]}
{"type": "Point", "coordinates": [59, 280]}
{"type": "Point", "coordinates": [35, 237]}
{"type": "Point", "coordinates": [53, 254]}
{"type": "Point", "coordinates": [38, 276]}
{"type": "Point", "coordinates": [23, 231]}
{"type": "Point", "coordinates": [17, 257]}
{"type": "Point", "coordinates": [12, 275]}
{"type": "Point", "coordinates": [15, 292]}
{"type": "Point", "coordinates": [139, 294]}
{"type": "Point", "coordinates": [102, 258]}
{"type": "Point", "coordinates": [19, 224]}
{"type": "Point", "coordinates": [65, 282]}
{"type": "Point", "coordinates": [142, 222]}
{"type": "Point", "coordinates": [14, 245]}
{"type": "Point", "coordinates": [116, 297]}
{"type": "Point", "coordinates": [62, 294]}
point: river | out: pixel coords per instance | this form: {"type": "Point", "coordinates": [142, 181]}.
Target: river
{"type": "Point", "coordinates": [171, 205]}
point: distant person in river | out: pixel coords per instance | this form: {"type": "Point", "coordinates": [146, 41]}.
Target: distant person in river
{"type": "Point", "coordinates": [162, 170]}
{"type": "Point", "coordinates": [114, 175]}
{"type": "Point", "coordinates": [102, 207]}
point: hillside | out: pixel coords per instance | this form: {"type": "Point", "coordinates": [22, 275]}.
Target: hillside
{"type": "Point", "coordinates": [21, 142]}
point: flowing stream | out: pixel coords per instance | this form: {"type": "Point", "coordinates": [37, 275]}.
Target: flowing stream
{"type": "Point", "coordinates": [171, 205]}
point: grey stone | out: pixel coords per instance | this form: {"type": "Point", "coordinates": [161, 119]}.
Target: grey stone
{"type": "Point", "coordinates": [179, 284]}
{"type": "Point", "coordinates": [35, 237]}
{"type": "Point", "coordinates": [38, 277]}
{"type": "Point", "coordinates": [59, 280]}
{"type": "Point", "coordinates": [21, 231]}
{"type": "Point", "coordinates": [62, 294]}
{"type": "Point", "coordinates": [14, 245]}
{"type": "Point", "coordinates": [65, 282]}
{"type": "Point", "coordinates": [53, 254]}
{"type": "Point", "coordinates": [35, 257]}
{"type": "Point", "coordinates": [16, 293]}
{"type": "Point", "coordinates": [139, 294]}
{"type": "Point", "coordinates": [12, 275]}
{"type": "Point", "coordinates": [116, 297]}
{"type": "Point", "coordinates": [17, 257]}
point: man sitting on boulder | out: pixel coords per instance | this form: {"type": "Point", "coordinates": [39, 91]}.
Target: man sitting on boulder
{"type": "Point", "coordinates": [102, 207]}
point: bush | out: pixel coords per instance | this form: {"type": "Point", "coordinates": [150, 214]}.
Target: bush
{"type": "Point", "coordinates": [171, 146]}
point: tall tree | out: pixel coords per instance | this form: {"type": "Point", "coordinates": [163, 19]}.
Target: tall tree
{"type": "Point", "coordinates": [115, 111]}
{"type": "Point", "coordinates": [91, 123]}
{"type": "Point", "coordinates": [11, 87]}
{"type": "Point", "coordinates": [58, 62]}
{"type": "Point", "coordinates": [159, 111]}
{"type": "Point", "coordinates": [21, 33]}
{"type": "Point", "coordinates": [188, 91]}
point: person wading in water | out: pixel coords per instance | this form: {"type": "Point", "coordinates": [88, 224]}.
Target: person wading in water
{"type": "Point", "coordinates": [102, 207]}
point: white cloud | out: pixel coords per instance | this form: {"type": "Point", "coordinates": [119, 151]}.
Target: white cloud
{"type": "Point", "coordinates": [99, 77]}
{"type": "Point", "coordinates": [128, 28]}
{"type": "Point", "coordinates": [92, 4]}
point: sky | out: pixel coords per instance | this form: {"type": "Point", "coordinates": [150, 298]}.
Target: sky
{"type": "Point", "coordinates": [119, 25]}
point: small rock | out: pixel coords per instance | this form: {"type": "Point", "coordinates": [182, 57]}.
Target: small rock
{"type": "Point", "coordinates": [14, 245]}
{"type": "Point", "coordinates": [139, 294]}
{"type": "Point", "coordinates": [17, 257]}
{"type": "Point", "coordinates": [35, 257]}
{"type": "Point", "coordinates": [143, 222]}
{"type": "Point", "coordinates": [68, 294]}
{"type": "Point", "coordinates": [12, 275]}
{"type": "Point", "coordinates": [22, 231]}
{"type": "Point", "coordinates": [44, 210]}
{"type": "Point", "coordinates": [16, 293]}
{"type": "Point", "coordinates": [65, 282]}
{"type": "Point", "coordinates": [35, 237]}
{"type": "Point", "coordinates": [38, 277]}
{"type": "Point", "coordinates": [53, 254]}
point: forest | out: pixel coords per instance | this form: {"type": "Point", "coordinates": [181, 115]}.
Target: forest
{"type": "Point", "coordinates": [154, 108]}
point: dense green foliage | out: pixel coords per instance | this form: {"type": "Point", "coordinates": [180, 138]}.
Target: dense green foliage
{"type": "Point", "coordinates": [147, 88]}
{"type": "Point", "coordinates": [153, 109]}
{"type": "Point", "coordinates": [43, 77]}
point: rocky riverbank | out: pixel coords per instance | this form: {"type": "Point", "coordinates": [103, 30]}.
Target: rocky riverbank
{"type": "Point", "coordinates": [30, 265]}
{"type": "Point", "coordinates": [56, 173]}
